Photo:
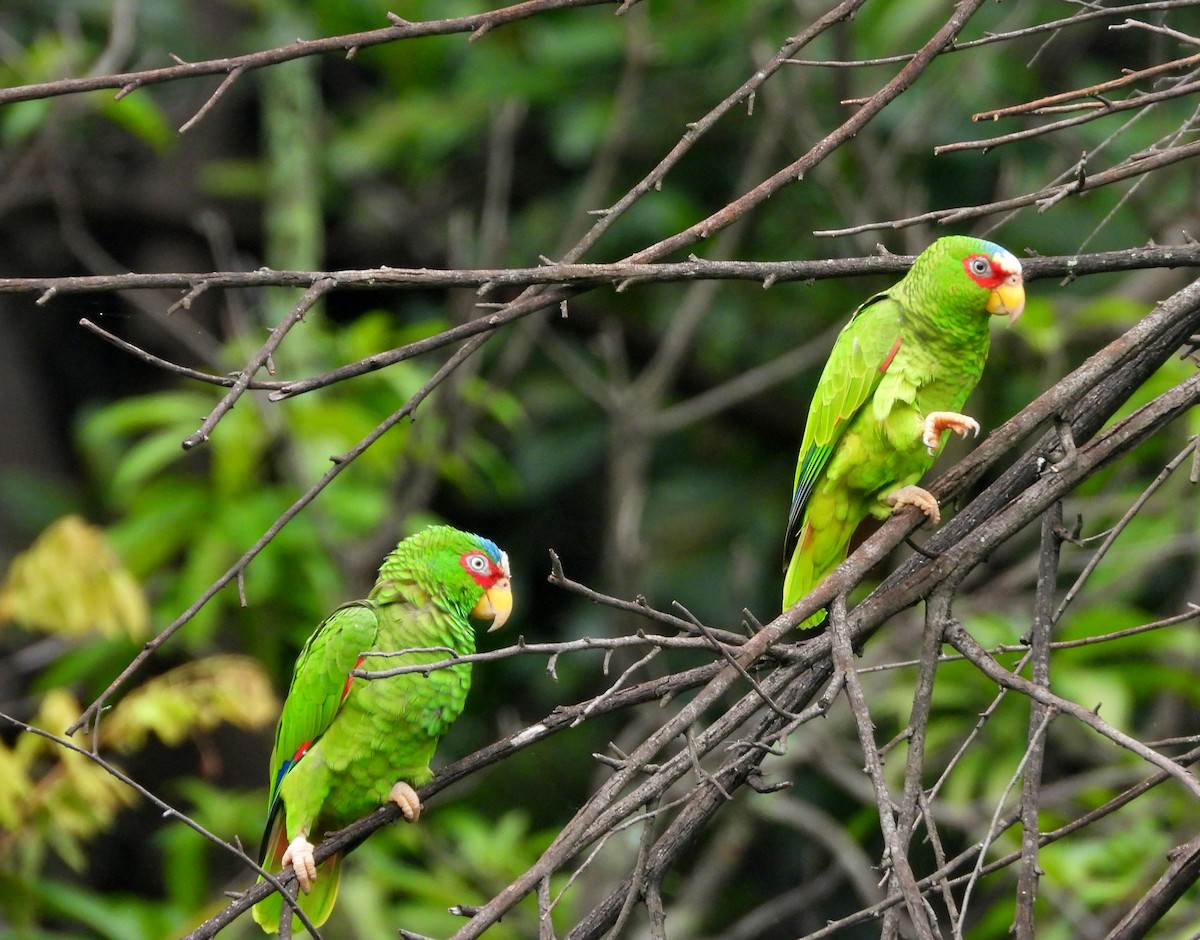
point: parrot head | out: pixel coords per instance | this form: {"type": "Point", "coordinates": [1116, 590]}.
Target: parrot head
{"type": "Point", "coordinates": [488, 568]}
{"type": "Point", "coordinates": [461, 572]}
{"type": "Point", "coordinates": [998, 270]}
{"type": "Point", "coordinates": [994, 279]}
{"type": "Point", "coordinates": [966, 277]}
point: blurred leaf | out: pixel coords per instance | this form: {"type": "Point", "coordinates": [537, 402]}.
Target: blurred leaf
{"type": "Point", "coordinates": [142, 117]}
{"type": "Point", "coordinates": [15, 786]}
{"type": "Point", "coordinates": [111, 916]}
{"type": "Point", "coordinates": [188, 857]}
{"type": "Point", "coordinates": [131, 441]}
{"type": "Point", "coordinates": [71, 582]}
{"type": "Point", "coordinates": [1107, 868]}
{"type": "Point", "coordinates": [197, 696]}
{"type": "Point", "coordinates": [21, 119]}
{"type": "Point", "coordinates": [70, 799]}
{"type": "Point", "coordinates": [411, 876]}
{"type": "Point", "coordinates": [1041, 327]}
{"type": "Point", "coordinates": [233, 178]}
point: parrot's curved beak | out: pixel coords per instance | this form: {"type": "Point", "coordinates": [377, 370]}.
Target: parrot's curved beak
{"type": "Point", "coordinates": [1008, 298]}
{"type": "Point", "coordinates": [495, 605]}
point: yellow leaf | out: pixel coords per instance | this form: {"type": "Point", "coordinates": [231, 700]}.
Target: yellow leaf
{"type": "Point", "coordinates": [70, 581]}
{"type": "Point", "coordinates": [15, 786]}
{"type": "Point", "coordinates": [195, 696]}
{"type": "Point", "coordinates": [61, 798]}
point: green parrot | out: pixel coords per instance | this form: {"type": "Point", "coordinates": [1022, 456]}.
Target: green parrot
{"type": "Point", "coordinates": [346, 745]}
{"type": "Point", "coordinates": [897, 376]}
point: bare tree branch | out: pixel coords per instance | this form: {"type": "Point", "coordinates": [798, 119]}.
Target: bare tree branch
{"type": "Point", "coordinates": [896, 854]}
{"type": "Point", "coordinates": [127, 82]}
{"type": "Point", "coordinates": [581, 275]}
{"type": "Point", "coordinates": [1039, 654]}
{"type": "Point", "coordinates": [1182, 872]}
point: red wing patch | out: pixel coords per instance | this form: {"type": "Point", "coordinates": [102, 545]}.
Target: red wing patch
{"type": "Point", "coordinates": [887, 360]}
{"type": "Point", "coordinates": [350, 677]}
{"type": "Point", "coordinates": [290, 763]}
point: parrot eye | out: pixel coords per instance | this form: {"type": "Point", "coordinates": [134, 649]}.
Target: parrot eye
{"type": "Point", "coordinates": [979, 266]}
{"type": "Point", "coordinates": [478, 563]}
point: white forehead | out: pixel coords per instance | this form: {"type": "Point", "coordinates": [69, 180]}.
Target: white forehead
{"type": "Point", "coordinates": [1005, 260]}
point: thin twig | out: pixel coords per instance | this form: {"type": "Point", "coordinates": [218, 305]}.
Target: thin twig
{"type": "Point", "coordinates": [522, 648]}
{"type": "Point", "coordinates": [937, 613]}
{"type": "Point", "coordinates": [234, 74]}
{"type": "Point", "coordinates": [151, 359]}
{"type": "Point", "coordinates": [583, 275]}
{"type": "Point", "coordinates": [966, 644]}
{"type": "Point", "coordinates": [1091, 91]}
{"type": "Point", "coordinates": [638, 875]}
{"type": "Point", "coordinates": [298, 49]}
{"type": "Point", "coordinates": [1135, 166]}
{"type": "Point", "coordinates": [294, 316]}
{"type": "Point", "coordinates": [997, 825]}
{"type": "Point", "coordinates": [1047, 838]}
{"type": "Point", "coordinates": [1124, 521]}
{"type": "Point", "coordinates": [1082, 16]}
{"type": "Point", "coordinates": [729, 658]}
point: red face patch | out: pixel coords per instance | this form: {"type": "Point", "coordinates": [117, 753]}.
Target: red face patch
{"type": "Point", "coordinates": [481, 567]}
{"type": "Point", "coordinates": [983, 272]}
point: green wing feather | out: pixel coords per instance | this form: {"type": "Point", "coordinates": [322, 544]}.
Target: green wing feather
{"type": "Point", "coordinates": [320, 684]}
{"type": "Point", "coordinates": [860, 357]}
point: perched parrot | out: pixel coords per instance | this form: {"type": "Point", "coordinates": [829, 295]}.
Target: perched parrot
{"type": "Point", "coordinates": [346, 745]}
{"type": "Point", "coordinates": [898, 375]}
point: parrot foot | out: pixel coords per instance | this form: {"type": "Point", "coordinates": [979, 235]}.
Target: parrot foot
{"type": "Point", "coordinates": [406, 798]}
{"type": "Point", "coordinates": [299, 854]}
{"type": "Point", "coordinates": [915, 496]}
{"type": "Point", "coordinates": [938, 421]}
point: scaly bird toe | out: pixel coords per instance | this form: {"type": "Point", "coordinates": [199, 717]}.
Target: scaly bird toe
{"type": "Point", "coordinates": [915, 496]}
{"type": "Point", "coordinates": [938, 421]}
{"type": "Point", "coordinates": [299, 854]}
{"type": "Point", "coordinates": [406, 798]}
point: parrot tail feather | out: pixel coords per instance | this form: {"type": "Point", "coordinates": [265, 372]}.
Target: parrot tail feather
{"type": "Point", "coordinates": [817, 553]}
{"type": "Point", "coordinates": [317, 904]}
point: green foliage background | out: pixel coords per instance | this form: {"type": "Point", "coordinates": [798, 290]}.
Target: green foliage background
{"type": "Point", "coordinates": [446, 153]}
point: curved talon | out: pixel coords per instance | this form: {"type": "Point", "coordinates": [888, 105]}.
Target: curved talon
{"type": "Point", "coordinates": [915, 496]}
{"type": "Point", "coordinates": [937, 422]}
{"type": "Point", "coordinates": [406, 798]}
{"type": "Point", "coordinates": [299, 854]}
{"type": "Point", "coordinates": [920, 549]}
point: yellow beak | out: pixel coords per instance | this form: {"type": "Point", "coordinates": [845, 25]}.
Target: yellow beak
{"type": "Point", "coordinates": [495, 605]}
{"type": "Point", "coordinates": [1008, 299]}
